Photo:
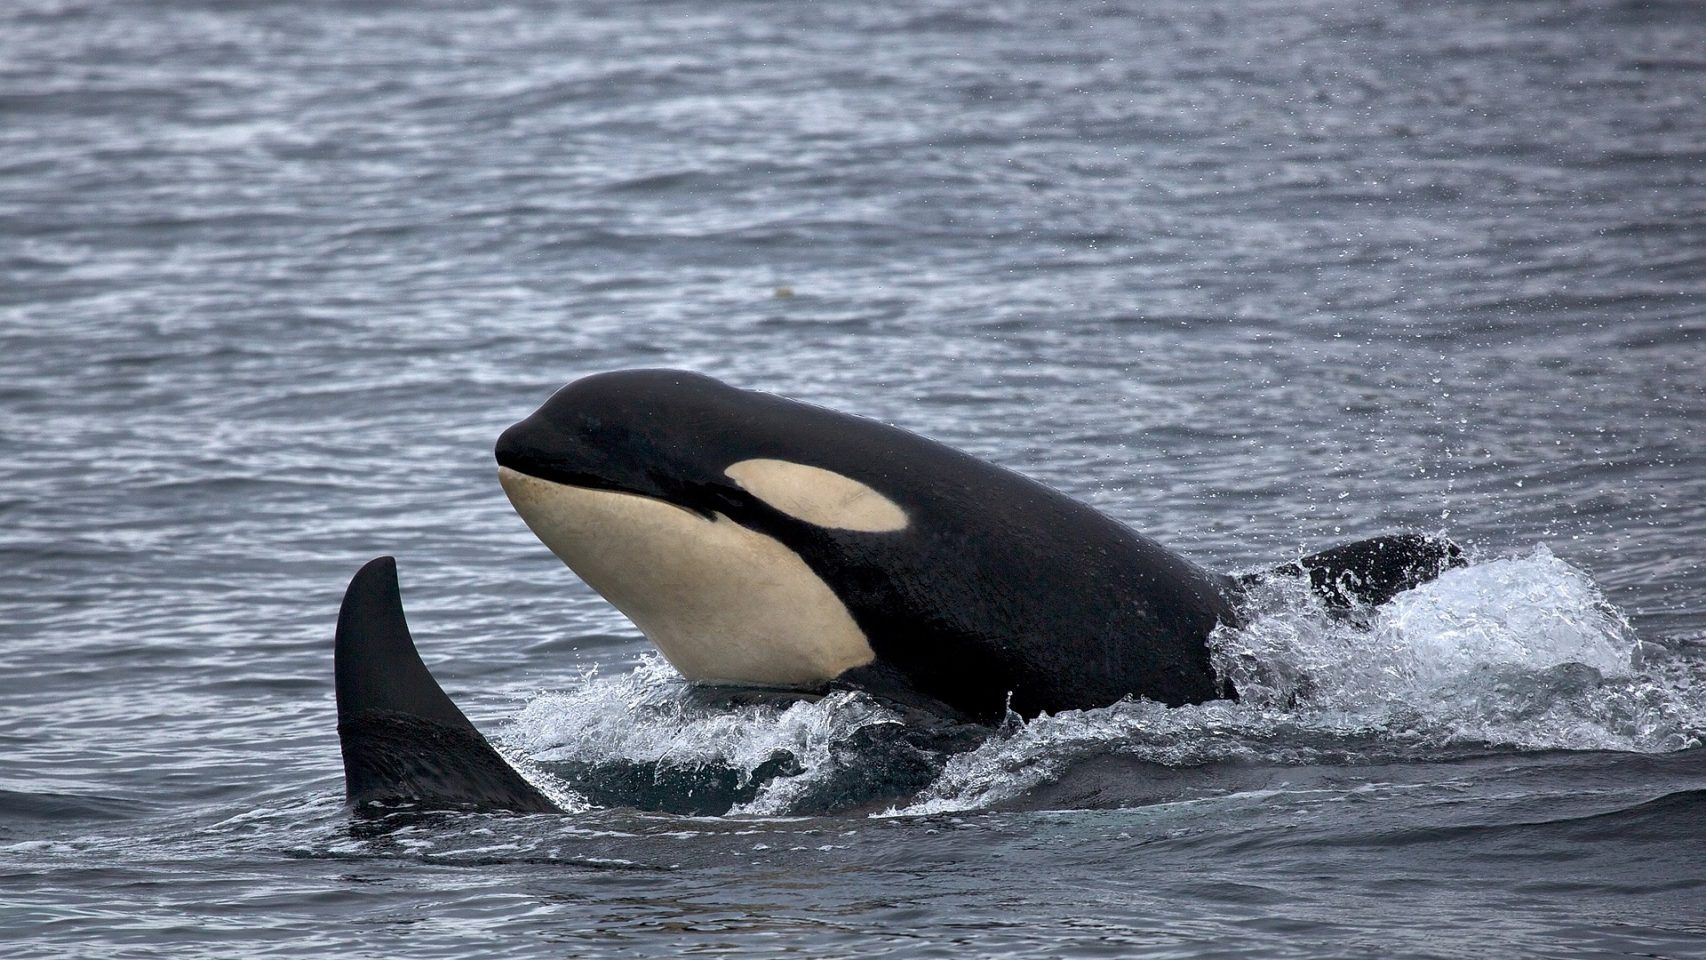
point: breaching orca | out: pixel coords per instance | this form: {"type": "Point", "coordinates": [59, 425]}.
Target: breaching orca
{"type": "Point", "coordinates": [760, 541]}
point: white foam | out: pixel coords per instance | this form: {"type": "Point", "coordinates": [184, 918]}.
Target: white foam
{"type": "Point", "coordinates": [645, 716]}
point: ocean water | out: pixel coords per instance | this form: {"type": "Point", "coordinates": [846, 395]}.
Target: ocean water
{"type": "Point", "coordinates": [1256, 278]}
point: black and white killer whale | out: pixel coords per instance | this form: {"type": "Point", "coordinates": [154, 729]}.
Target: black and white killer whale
{"type": "Point", "coordinates": [759, 541]}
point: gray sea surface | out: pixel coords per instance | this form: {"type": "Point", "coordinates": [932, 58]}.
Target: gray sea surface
{"type": "Point", "coordinates": [1256, 278]}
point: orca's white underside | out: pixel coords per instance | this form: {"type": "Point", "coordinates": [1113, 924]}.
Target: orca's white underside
{"type": "Point", "coordinates": [724, 604]}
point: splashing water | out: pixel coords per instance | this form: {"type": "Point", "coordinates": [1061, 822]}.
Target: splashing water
{"type": "Point", "coordinates": [1520, 653]}
{"type": "Point", "coordinates": [1501, 618]}
{"type": "Point", "coordinates": [650, 718]}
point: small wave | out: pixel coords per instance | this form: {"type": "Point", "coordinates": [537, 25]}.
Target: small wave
{"type": "Point", "coordinates": [1676, 817]}
{"type": "Point", "coordinates": [49, 807]}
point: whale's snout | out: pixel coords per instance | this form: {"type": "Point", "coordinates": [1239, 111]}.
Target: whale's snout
{"type": "Point", "coordinates": [525, 447]}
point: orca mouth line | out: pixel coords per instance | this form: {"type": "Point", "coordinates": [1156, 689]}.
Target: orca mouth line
{"type": "Point", "coordinates": [566, 476]}
{"type": "Point", "coordinates": [521, 450]}
{"type": "Point", "coordinates": [510, 477]}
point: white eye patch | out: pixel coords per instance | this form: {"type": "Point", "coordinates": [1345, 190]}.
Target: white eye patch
{"type": "Point", "coordinates": [818, 496]}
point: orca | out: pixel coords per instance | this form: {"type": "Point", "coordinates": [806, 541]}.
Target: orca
{"type": "Point", "coordinates": [405, 744]}
{"type": "Point", "coordinates": [763, 542]}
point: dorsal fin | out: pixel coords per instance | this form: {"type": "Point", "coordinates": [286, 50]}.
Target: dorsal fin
{"type": "Point", "coordinates": [404, 741]}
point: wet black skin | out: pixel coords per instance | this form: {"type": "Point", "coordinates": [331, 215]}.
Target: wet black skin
{"type": "Point", "coordinates": [405, 744]}
{"type": "Point", "coordinates": [1000, 593]}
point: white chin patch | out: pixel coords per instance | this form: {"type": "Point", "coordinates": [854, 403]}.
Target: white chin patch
{"type": "Point", "coordinates": [724, 604]}
{"type": "Point", "coordinates": [818, 496]}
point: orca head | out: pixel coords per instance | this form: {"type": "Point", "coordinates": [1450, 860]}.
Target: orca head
{"type": "Point", "coordinates": [683, 500]}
